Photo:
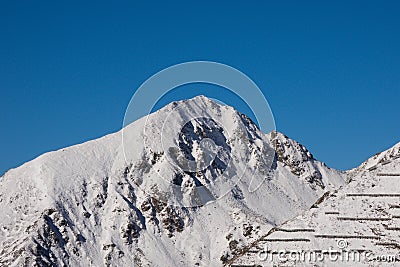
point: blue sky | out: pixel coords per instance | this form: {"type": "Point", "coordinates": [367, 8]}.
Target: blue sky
{"type": "Point", "coordinates": [330, 71]}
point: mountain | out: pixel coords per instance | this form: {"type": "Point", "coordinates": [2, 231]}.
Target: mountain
{"type": "Point", "coordinates": [193, 184]}
{"type": "Point", "coordinates": [361, 218]}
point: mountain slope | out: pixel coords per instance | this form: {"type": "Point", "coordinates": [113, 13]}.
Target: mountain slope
{"type": "Point", "coordinates": [360, 219]}
{"type": "Point", "coordinates": [135, 196]}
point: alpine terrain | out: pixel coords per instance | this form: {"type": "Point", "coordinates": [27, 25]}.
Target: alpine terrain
{"type": "Point", "coordinates": [355, 225]}
{"type": "Point", "coordinates": [194, 184]}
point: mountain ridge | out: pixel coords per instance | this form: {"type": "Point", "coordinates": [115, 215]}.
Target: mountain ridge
{"type": "Point", "coordinates": [101, 204]}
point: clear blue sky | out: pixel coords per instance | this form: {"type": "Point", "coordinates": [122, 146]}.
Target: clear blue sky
{"type": "Point", "coordinates": [331, 71]}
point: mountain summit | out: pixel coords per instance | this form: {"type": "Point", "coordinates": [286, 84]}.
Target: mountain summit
{"type": "Point", "coordinates": [189, 185]}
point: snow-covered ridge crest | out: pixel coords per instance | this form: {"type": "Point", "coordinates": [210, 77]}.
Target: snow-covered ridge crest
{"type": "Point", "coordinates": [375, 162]}
{"type": "Point", "coordinates": [109, 202]}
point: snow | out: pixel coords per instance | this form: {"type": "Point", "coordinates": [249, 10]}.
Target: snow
{"type": "Point", "coordinates": [362, 214]}
{"type": "Point", "coordinates": [121, 200]}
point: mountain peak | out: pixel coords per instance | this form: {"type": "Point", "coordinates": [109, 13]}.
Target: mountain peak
{"type": "Point", "coordinates": [201, 100]}
{"type": "Point", "coordinates": [193, 173]}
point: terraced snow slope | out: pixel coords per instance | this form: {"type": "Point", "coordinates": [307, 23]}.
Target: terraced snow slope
{"type": "Point", "coordinates": [360, 220]}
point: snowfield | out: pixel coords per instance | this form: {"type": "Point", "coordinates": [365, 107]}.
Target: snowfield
{"type": "Point", "coordinates": [139, 197]}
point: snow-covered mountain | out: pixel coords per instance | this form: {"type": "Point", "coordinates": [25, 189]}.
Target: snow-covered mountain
{"type": "Point", "coordinates": [138, 197]}
{"type": "Point", "coordinates": [360, 220]}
